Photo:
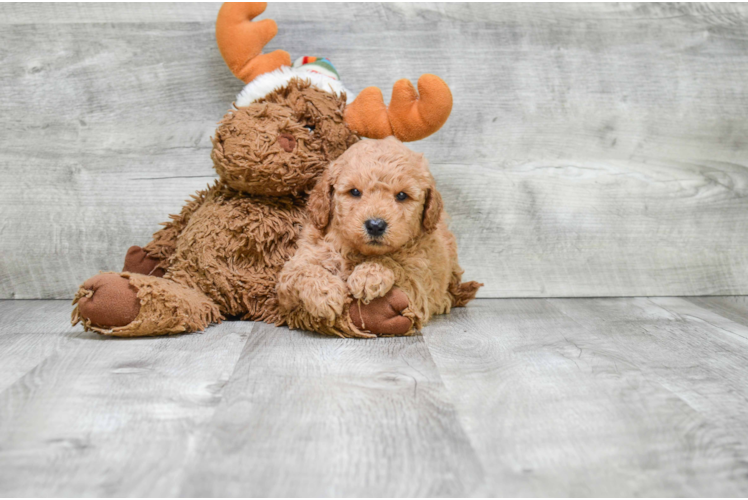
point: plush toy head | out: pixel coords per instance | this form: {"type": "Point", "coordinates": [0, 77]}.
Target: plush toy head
{"type": "Point", "coordinates": [377, 197]}
{"type": "Point", "coordinates": [281, 143]}
{"type": "Point", "coordinates": [292, 121]}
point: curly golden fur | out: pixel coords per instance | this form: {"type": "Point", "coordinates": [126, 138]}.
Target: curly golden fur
{"type": "Point", "coordinates": [339, 261]}
{"type": "Point", "coordinates": [222, 254]}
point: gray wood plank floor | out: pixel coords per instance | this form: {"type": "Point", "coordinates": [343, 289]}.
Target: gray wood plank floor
{"type": "Point", "coordinates": [628, 396]}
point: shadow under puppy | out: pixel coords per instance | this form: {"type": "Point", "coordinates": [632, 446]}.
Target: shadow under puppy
{"type": "Point", "coordinates": [378, 235]}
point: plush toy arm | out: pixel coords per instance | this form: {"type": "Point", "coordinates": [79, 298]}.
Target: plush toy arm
{"type": "Point", "coordinates": [164, 241]}
{"type": "Point", "coordinates": [384, 316]}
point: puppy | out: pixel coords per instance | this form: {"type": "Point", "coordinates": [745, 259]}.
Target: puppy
{"type": "Point", "coordinates": [377, 236]}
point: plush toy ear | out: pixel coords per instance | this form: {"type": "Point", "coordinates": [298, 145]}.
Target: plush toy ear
{"type": "Point", "coordinates": [320, 201]}
{"type": "Point", "coordinates": [432, 210]}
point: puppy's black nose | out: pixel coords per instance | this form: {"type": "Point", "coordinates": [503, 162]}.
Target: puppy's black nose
{"type": "Point", "coordinates": [375, 227]}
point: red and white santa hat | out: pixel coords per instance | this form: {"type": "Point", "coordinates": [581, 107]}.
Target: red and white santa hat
{"type": "Point", "coordinates": [319, 71]}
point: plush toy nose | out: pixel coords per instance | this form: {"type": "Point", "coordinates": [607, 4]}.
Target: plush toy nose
{"type": "Point", "coordinates": [287, 142]}
{"type": "Point", "coordinates": [375, 227]}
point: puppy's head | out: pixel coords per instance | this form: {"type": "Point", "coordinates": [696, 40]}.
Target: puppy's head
{"type": "Point", "coordinates": [376, 197]}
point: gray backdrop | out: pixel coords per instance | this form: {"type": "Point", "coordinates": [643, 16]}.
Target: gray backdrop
{"type": "Point", "coordinates": [593, 149]}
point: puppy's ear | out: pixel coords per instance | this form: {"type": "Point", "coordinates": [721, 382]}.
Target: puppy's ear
{"type": "Point", "coordinates": [432, 210]}
{"type": "Point", "coordinates": [320, 201]}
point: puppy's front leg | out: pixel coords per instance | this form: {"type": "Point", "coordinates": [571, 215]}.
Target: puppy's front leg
{"type": "Point", "coordinates": [321, 294]}
{"type": "Point", "coordinates": [370, 280]}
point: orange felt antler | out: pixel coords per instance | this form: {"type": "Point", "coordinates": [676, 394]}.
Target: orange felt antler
{"type": "Point", "coordinates": [409, 117]}
{"type": "Point", "coordinates": [241, 41]}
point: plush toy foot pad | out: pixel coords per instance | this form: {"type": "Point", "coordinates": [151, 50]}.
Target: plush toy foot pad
{"type": "Point", "coordinates": [138, 261]}
{"type": "Point", "coordinates": [113, 301]}
{"type": "Point", "coordinates": [383, 316]}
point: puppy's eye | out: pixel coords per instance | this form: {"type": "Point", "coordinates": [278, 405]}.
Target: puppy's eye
{"type": "Point", "coordinates": [310, 128]}
{"type": "Point", "coordinates": [401, 196]}
{"type": "Point", "coordinates": [355, 192]}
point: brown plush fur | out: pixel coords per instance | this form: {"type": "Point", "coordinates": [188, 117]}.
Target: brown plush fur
{"type": "Point", "coordinates": [221, 255]}
{"type": "Point", "coordinates": [165, 307]}
{"type": "Point", "coordinates": [338, 261]}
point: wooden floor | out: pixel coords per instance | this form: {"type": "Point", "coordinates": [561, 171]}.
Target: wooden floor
{"type": "Point", "coordinates": [629, 396]}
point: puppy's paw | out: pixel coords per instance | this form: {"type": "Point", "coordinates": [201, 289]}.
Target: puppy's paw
{"type": "Point", "coordinates": [324, 298]}
{"type": "Point", "coordinates": [370, 280]}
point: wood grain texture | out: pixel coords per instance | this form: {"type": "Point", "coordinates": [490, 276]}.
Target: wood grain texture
{"type": "Point", "coordinates": [101, 416]}
{"type": "Point", "coordinates": [528, 397]}
{"type": "Point", "coordinates": [306, 415]}
{"type": "Point", "coordinates": [603, 397]}
{"type": "Point", "coordinates": [733, 308]}
{"type": "Point", "coordinates": [593, 150]}
{"type": "Point", "coordinates": [25, 342]}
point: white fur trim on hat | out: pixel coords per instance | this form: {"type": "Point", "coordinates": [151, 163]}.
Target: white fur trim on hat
{"type": "Point", "coordinates": [269, 82]}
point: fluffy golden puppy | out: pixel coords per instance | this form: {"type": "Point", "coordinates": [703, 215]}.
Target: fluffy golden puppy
{"type": "Point", "coordinates": [377, 236]}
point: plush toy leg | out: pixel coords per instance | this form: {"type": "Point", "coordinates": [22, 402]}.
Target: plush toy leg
{"type": "Point", "coordinates": [384, 316]}
{"type": "Point", "coordinates": [135, 305]}
{"type": "Point", "coordinates": [138, 261]}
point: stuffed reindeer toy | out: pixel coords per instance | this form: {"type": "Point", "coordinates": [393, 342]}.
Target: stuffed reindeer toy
{"type": "Point", "coordinates": [222, 254]}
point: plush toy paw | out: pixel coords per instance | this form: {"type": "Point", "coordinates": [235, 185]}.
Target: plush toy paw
{"type": "Point", "coordinates": [325, 299]}
{"type": "Point", "coordinates": [384, 315]}
{"type": "Point", "coordinates": [108, 300]}
{"type": "Point", "coordinates": [370, 280]}
{"type": "Point", "coordinates": [138, 261]}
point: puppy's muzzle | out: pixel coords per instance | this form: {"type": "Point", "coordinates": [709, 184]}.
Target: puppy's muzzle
{"type": "Point", "coordinates": [375, 227]}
